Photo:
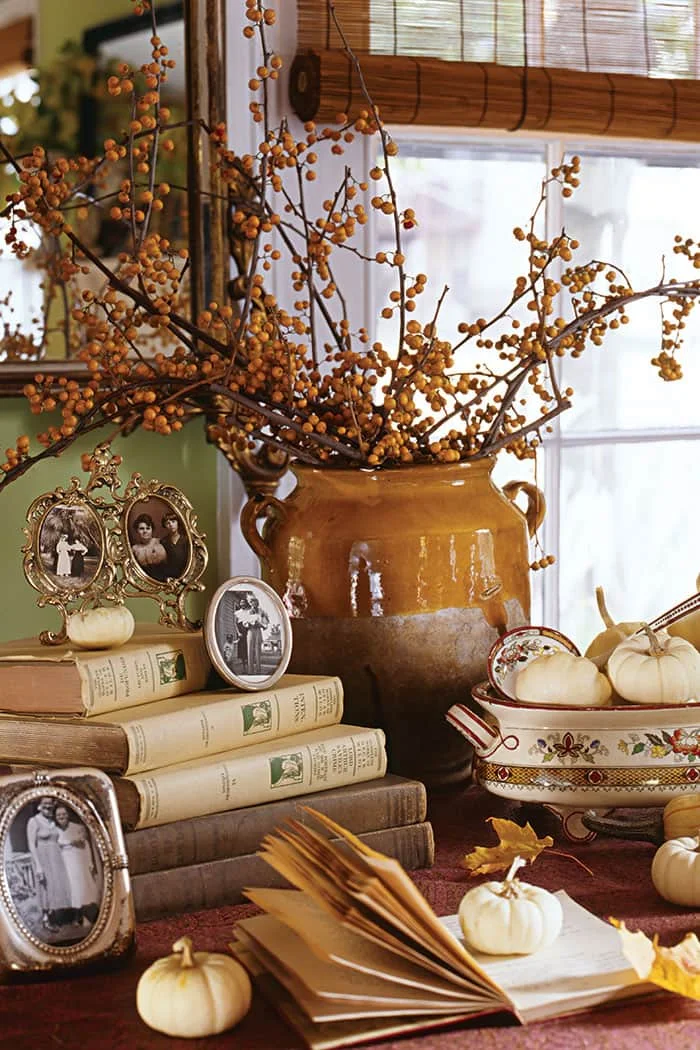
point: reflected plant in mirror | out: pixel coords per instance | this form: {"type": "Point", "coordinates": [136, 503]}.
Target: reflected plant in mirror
{"type": "Point", "coordinates": [289, 370]}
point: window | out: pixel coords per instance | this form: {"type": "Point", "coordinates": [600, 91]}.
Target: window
{"type": "Point", "coordinates": [619, 467]}
{"type": "Point", "coordinates": [20, 285]}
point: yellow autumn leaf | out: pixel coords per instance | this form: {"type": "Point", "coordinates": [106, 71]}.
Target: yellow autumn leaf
{"type": "Point", "coordinates": [514, 841]}
{"type": "Point", "coordinates": [677, 969]}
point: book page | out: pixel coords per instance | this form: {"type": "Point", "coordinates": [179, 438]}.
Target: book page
{"type": "Point", "coordinates": [331, 993]}
{"type": "Point", "coordinates": [335, 944]}
{"type": "Point", "coordinates": [584, 967]}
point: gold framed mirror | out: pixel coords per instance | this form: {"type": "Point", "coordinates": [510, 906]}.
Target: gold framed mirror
{"type": "Point", "coordinates": [195, 32]}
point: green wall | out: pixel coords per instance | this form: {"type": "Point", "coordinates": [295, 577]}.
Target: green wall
{"type": "Point", "coordinates": [182, 459]}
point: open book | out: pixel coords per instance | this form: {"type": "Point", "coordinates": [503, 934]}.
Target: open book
{"type": "Point", "coordinates": [356, 953]}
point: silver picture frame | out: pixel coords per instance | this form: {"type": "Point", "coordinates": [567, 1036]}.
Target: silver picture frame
{"type": "Point", "coordinates": [65, 894]}
{"type": "Point", "coordinates": [248, 633]}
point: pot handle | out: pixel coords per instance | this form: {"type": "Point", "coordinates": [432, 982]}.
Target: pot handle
{"type": "Point", "coordinates": [479, 733]}
{"type": "Point", "coordinates": [259, 506]}
{"type": "Point", "coordinates": [536, 506]}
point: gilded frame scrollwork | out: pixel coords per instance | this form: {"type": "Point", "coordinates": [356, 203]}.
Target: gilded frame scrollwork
{"type": "Point", "coordinates": [84, 548]}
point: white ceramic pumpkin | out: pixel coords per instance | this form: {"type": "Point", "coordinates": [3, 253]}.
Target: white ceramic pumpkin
{"type": "Point", "coordinates": [675, 871]}
{"type": "Point", "coordinates": [193, 994]}
{"type": "Point", "coordinates": [106, 627]}
{"type": "Point", "coordinates": [654, 668]}
{"type": "Point", "coordinates": [510, 917]}
{"type": "Point", "coordinates": [562, 678]}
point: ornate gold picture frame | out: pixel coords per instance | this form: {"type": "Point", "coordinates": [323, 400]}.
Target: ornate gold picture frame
{"type": "Point", "coordinates": [90, 545]}
{"type": "Point", "coordinates": [65, 896]}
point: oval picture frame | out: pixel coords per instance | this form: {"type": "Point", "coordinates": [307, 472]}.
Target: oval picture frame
{"type": "Point", "coordinates": [65, 898]}
{"type": "Point", "coordinates": [248, 633]}
{"type": "Point", "coordinates": [66, 556]}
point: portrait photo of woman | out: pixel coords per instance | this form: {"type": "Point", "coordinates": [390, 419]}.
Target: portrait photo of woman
{"type": "Point", "coordinates": [248, 633]}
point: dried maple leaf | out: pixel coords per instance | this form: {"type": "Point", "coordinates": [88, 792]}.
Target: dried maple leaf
{"type": "Point", "coordinates": [514, 841]}
{"type": "Point", "coordinates": [677, 969]}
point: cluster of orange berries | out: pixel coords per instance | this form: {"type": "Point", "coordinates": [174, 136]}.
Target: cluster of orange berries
{"type": "Point", "coordinates": [300, 373]}
{"type": "Point", "coordinates": [542, 563]}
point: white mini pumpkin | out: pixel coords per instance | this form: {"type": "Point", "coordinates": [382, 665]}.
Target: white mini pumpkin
{"type": "Point", "coordinates": [562, 678]}
{"type": "Point", "coordinates": [654, 668]}
{"type": "Point", "coordinates": [675, 871]}
{"type": "Point", "coordinates": [510, 917]}
{"type": "Point", "coordinates": [106, 627]}
{"type": "Point", "coordinates": [193, 994]}
{"type": "Point", "coordinates": [681, 816]}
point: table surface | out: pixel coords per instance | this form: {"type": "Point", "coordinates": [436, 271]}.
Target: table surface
{"type": "Point", "coordinates": [98, 1011]}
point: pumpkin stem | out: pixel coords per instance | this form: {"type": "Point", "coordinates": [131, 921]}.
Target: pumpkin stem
{"type": "Point", "coordinates": [654, 648]}
{"type": "Point", "coordinates": [184, 945]}
{"type": "Point", "coordinates": [603, 609]}
{"type": "Point", "coordinates": [510, 885]}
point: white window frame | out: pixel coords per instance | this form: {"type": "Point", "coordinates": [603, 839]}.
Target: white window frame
{"type": "Point", "coordinates": [234, 555]}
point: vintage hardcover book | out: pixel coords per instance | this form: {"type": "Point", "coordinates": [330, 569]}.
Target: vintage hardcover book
{"type": "Point", "coordinates": [180, 728]}
{"type": "Point", "coordinates": [389, 802]}
{"type": "Point", "coordinates": [218, 882]}
{"type": "Point", "coordinates": [292, 766]}
{"type": "Point", "coordinates": [355, 952]}
{"type": "Point", "coordinates": [62, 680]}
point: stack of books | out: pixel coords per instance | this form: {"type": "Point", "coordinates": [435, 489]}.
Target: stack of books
{"type": "Point", "coordinates": [202, 775]}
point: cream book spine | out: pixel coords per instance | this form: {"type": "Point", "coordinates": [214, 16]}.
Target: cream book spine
{"type": "Point", "coordinates": [152, 669]}
{"type": "Point", "coordinates": [210, 723]}
{"type": "Point", "coordinates": [296, 765]}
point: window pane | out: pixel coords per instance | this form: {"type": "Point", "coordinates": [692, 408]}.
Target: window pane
{"type": "Point", "coordinates": [627, 211]}
{"type": "Point", "coordinates": [628, 523]}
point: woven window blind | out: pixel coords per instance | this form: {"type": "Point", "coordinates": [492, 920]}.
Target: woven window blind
{"type": "Point", "coordinates": [607, 67]}
{"type": "Point", "coordinates": [15, 47]}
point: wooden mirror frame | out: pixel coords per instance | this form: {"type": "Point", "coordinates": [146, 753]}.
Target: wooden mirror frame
{"type": "Point", "coordinates": [205, 70]}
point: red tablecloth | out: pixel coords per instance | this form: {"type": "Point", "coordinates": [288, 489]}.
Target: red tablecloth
{"type": "Point", "coordinates": [91, 1012]}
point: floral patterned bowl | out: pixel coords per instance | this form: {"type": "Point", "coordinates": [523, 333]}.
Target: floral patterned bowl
{"type": "Point", "coordinates": [575, 758]}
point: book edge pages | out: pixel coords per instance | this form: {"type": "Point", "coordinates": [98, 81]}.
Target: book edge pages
{"type": "Point", "coordinates": [338, 1034]}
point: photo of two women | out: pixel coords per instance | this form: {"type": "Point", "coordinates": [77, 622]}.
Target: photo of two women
{"type": "Point", "coordinates": [54, 871]}
{"type": "Point", "coordinates": [71, 543]}
{"type": "Point", "coordinates": [158, 539]}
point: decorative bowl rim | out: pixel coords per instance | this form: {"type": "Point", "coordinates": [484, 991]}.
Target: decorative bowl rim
{"type": "Point", "coordinates": [486, 691]}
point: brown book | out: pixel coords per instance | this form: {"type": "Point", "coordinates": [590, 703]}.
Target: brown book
{"type": "Point", "coordinates": [389, 802]}
{"type": "Point", "coordinates": [177, 729]}
{"type": "Point", "coordinates": [219, 882]}
{"type": "Point", "coordinates": [315, 760]}
{"type": "Point", "coordinates": [61, 680]}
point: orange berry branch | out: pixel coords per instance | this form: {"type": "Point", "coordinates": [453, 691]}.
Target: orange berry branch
{"type": "Point", "coordinates": [290, 371]}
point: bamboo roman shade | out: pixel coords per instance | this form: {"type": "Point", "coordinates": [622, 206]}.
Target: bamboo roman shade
{"type": "Point", "coordinates": [606, 67]}
{"type": "Point", "coordinates": [15, 46]}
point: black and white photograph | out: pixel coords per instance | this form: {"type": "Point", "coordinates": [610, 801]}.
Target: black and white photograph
{"type": "Point", "coordinates": [71, 546]}
{"type": "Point", "coordinates": [158, 539]}
{"type": "Point", "coordinates": [248, 633]}
{"type": "Point", "coordinates": [53, 871]}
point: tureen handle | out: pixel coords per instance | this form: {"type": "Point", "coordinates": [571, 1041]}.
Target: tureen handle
{"type": "Point", "coordinates": [479, 733]}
